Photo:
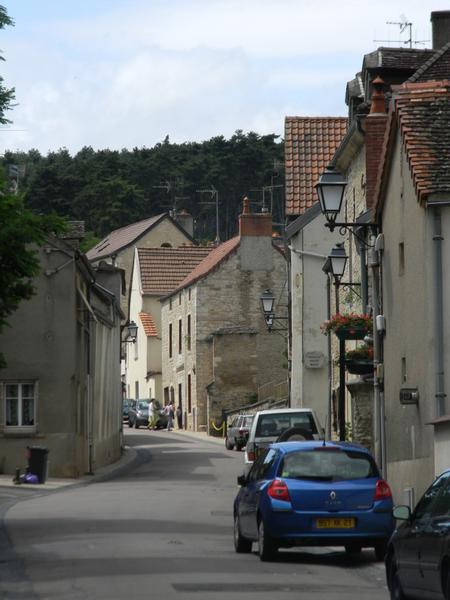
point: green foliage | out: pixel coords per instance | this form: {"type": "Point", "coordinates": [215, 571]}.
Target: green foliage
{"type": "Point", "coordinates": [20, 233]}
{"type": "Point", "coordinates": [109, 189]}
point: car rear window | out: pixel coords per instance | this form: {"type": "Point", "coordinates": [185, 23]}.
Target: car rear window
{"type": "Point", "coordinates": [328, 465]}
{"type": "Point", "coordinates": [274, 424]}
{"type": "Point", "coordinates": [142, 405]}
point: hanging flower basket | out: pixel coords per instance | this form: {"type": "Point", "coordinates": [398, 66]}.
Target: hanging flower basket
{"type": "Point", "coordinates": [359, 361]}
{"type": "Point", "coordinates": [359, 367]}
{"type": "Point", "coordinates": [348, 326]}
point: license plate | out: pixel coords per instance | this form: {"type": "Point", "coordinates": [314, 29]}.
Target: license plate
{"type": "Point", "coordinates": [332, 523]}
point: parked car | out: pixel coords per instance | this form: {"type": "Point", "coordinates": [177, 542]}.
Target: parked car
{"type": "Point", "coordinates": [125, 409]}
{"type": "Point", "coordinates": [138, 413]}
{"type": "Point", "coordinates": [280, 424]}
{"type": "Point", "coordinates": [313, 493]}
{"type": "Point", "coordinates": [237, 432]}
{"type": "Point", "coordinates": [418, 555]}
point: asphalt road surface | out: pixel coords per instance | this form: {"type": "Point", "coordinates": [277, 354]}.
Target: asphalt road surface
{"type": "Point", "coordinates": [162, 529]}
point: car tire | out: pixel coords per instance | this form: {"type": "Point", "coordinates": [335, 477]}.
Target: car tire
{"type": "Point", "coordinates": [267, 547]}
{"type": "Point", "coordinates": [228, 444]}
{"type": "Point", "coordinates": [395, 587]}
{"type": "Point", "coordinates": [136, 424]}
{"type": "Point", "coordinates": [130, 424]}
{"type": "Point", "coordinates": [380, 550]}
{"type": "Point", "coordinates": [238, 447]}
{"type": "Point", "coordinates": [241, 544]}
{"type": "Point", "coordinates": [295, 433]}
{"type": "Point", "coordinates": [447, 586]}
{"type": "Point", "coordinates": [353, 549]}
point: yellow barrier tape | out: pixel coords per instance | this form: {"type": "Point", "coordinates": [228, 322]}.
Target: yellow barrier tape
{"type": "Point", "coordinates": [221, 428]}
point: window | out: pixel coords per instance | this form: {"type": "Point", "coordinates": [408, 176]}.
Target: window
{"type": "Point", "coordinates": [436, 500]}
{"type": "Point", "coordinates": [136, 389]}
{"type": "Point", "coordinates": [180, 336]}
{"type": "Point", "coordinates": [263, 465]}
{"type": "Point", "coordinates": [188, 341]}
{"type": "Point", "coordinates": [180, 394]}
{"type": "Point", "coordinates": [170, 340]}
{"type": "Point", "coordinates": [170, 304]}
{"type": "Point", "coordinates": [189, 393]}
{"type": "Point", "coordinates": [20, 404]}
{"type": "Point", "coordinates": [189, 293]}
{"type": "Point", "coordinates": [403, 371]}
{"type": "Point", "coordinates": [179, 298]}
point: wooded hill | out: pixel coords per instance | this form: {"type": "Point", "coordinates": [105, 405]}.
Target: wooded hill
{"type": "Point", "coordinates": [109, 189]}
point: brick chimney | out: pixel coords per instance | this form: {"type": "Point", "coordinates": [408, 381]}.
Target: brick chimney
{"type": "Point", "coordinates": [440, 25]}
{"type": "Point", "coordinates": [375, 126]}
{"type": "Point", "coordinates": [255, 232]}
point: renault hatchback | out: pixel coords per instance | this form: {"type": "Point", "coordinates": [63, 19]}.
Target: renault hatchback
{"type": "Point", "coordinates": [313, 494]}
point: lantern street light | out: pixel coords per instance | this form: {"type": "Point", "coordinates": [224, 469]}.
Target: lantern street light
{"type": "Point", "coordinates": [267, 304]}
{"type": "Point", "coordinates": [330, 189]}
{"type": "Point", "coordinates": [338, 260]}
{"type": "Point", "coordinates": [132, 332]}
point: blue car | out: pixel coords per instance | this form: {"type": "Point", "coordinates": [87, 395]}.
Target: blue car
{"type": "Point", "coordinates": [313, 493]}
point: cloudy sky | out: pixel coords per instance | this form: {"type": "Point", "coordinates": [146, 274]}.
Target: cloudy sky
{"type": "Point", "coordinates": [126, 73]}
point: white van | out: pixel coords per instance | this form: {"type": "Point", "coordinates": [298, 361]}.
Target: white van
{"type": "Point", "coordinates": [289, 423]}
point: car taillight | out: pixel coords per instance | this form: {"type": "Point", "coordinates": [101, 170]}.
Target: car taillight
{"type": "Point", "coordinates": [278, 490]}
{"type": "Point", "coordinates": [251, 452]}
{"type": "Point", "coordinates": [382, 490]}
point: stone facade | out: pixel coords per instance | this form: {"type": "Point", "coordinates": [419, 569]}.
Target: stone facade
{"type": "Point", "coordinates": [231, 352]}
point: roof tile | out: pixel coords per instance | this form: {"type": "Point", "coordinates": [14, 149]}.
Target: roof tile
{"type": "Point", "coordinates": [148, 324]}
{"type": "Point", "coordinates": [310, 143]}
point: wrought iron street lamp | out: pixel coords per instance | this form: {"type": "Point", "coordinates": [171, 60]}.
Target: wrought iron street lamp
{"type": "Point", "coordinates": [330, 189]}
{"type": "Point", "coordinates": [268, 308]}
{"type": "Point", "coordinates": [132, 332]}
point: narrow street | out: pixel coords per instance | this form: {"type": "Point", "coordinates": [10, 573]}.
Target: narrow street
{"type": "Point", "coordinates": [162, 528]}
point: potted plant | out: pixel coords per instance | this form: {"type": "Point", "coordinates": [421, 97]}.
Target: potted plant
{"type": "Point", "coordinates": [348, 326]}
{"type": "Point", "coordinates": [360, 360]}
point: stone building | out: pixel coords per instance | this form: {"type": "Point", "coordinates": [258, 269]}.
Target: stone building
{"type": "Point", "coordinates": [61, 386]}
{"type": "Point", "coordinates": [216, 349]}
{"type": "Point", "coordinates": [118, 247]}
{"type": "Point", "coordinates": [156, 272]}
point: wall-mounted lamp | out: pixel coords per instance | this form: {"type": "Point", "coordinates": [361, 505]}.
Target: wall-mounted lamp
{"type": "Point", "coordinates": [132, 333]}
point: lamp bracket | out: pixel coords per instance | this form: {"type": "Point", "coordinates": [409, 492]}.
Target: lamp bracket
{"type": "Point", "coordinates": [351, 227]}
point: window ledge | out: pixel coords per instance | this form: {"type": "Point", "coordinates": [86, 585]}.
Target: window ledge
{"type": "Point", "coordinates": [20, 433]}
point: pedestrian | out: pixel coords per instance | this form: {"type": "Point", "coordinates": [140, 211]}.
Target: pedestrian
{"type": "Point", "coordinates": [151, 414]}
{"type": "Point", "coordinates": [169, 412]}
{"type": "Point", "coordinates": [179, 414]}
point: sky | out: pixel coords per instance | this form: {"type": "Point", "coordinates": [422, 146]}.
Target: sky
{"type": "Point", "coordinates": [127, 73]}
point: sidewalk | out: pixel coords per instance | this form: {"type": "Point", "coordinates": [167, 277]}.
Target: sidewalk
{"type": "Point", "coordinates": [128, 456]}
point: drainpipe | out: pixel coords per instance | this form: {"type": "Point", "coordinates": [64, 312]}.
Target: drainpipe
{"type": "Point", "coordinates": [439, 312]}
{"type": "Point", "coordinates": [378, 425]}
{"type": "Point", "coordinates": [330, 367]}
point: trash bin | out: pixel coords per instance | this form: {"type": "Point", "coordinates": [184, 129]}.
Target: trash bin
{"type": "Point", "coordinates": [38, 462]}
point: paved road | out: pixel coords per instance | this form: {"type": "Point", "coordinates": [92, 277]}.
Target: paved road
{"type": "Point", "coordinates": [162, 529]}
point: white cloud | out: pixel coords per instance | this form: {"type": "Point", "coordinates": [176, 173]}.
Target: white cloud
{"type": "Point", "coordinates": [188, 68]}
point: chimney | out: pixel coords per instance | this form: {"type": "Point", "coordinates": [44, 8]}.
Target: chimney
{"type": "Point", "coordinates": [375, 127]}
{"type": "Point", "coordinates": [185, 220]}
{"type": "Point", "coordinates": [255, 232]}
{"type": "Point", "coordinates": [440, 25]}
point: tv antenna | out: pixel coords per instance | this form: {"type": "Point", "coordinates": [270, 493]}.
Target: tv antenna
{"type": "Point", "coordinates": [403, 25]}
{"type": "Point", "coordinates": [214, 200]}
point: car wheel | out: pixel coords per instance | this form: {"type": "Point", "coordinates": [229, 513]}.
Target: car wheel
{"type": "Point", "coordinates": [353, 549]}
{"type": "Point", "coordinates": [395, 587]}
{"type": "Point", "coordinates": [228, 444]}
{"type": "Point", "coordinates": [295, 433]}
{"type": "Point", "coordinates": [130, 424]}
{"type": "Point", "coordinates": [380, 550]}
{"type": "Point", "coordinates": [241, 544]}
{"type": "Point", "coordinates": [239, 447]}
{"type": "Point", "coordinates": [136, 424]}
{"type": "Point", "coordinates": [267, 547]}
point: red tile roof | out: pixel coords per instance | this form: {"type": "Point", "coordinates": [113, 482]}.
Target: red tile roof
{"type": "Point", "coordinates": [421, 112]}
{"type": "Point", "coordinates": [210, 262]}
{"type": "Point", "coordinates": [148, 324]}
{"type": "Point", "coordinates": [125, 236]}
{"type": "Point", "coordinates": [310, 143]}
{"type": "Point", "coordinates": [162, 269]}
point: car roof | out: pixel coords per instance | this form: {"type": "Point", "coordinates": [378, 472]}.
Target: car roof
{"type": "Point", "coordinates": [270, 411]}
{"type": "Point", "coordinates": [311, 445]}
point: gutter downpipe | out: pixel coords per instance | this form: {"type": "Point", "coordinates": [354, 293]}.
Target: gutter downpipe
{"type": "Point", "coordinates": [439, 312]}
{"type": "Point", "coordinates": [330, 369]}
{"type": "Point", "coordinates": [378, 425]}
